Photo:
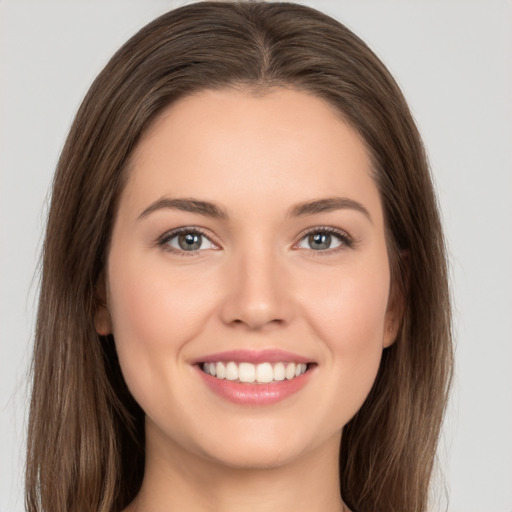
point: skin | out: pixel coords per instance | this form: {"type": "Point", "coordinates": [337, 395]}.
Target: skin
{"type": "Point", "coordinates": [255, 283]}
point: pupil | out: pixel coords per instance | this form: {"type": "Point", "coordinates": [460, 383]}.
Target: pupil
{"type": "Point", "coordinates": [320, 241]}
{"type": "Point", "coordinates": [189, 241]}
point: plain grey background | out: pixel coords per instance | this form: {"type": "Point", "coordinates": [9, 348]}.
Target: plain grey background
{"type": "Point", "coordinates": [453, 60]}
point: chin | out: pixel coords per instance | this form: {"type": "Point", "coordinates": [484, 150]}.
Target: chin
{"type": "Point", "coordinates": [265, 447]}
{"type": "Point", "coordinates": [255, 457]}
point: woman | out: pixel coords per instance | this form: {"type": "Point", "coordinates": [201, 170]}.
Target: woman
{"type": "Point", "coordinates": [244, 299]}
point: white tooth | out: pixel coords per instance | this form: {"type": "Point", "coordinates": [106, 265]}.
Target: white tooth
{"type": "Point", "coordinates": [297, 370]}
{"type": "Point", "coordinates": [246, 372]}
{"type": "Point", "coordinates": [303, 368]}
{"type": "Point", "coordinates": [231, 371]}
{"type": "Point", "coordinates": [212, 369]}
{"type": "Point", "coordinates": [290, 371]}
{"type": "Point", "coordinates": [220, 370]}
{"type": "Point", "coordinates": [279, 373]}
{"type": "Point", "coordinates": [206, 368]}
{"type": "Point", "coordinates": [264, 372]}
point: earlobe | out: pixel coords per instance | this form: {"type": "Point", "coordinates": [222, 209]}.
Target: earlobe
{"type": "Point", "coordinates": [391, 332]}
{"type": "Point", "coordinates": [396, 302]}
{"type": "Point", "coordinates": [102, 318]}
{"type": "Point", "coordinates": [394, 318]}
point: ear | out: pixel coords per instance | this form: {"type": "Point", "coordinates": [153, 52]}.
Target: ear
{"type": "Point", "coordinates": [102, 319]}
{"type": "Point", "coordinates": [392, 326]}
{"type": "Point", "coordinates": [396, 302]}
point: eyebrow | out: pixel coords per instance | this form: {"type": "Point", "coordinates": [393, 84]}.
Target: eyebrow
{"type": "Point", "coordinates": [211, 210]}
{"type": "Point", "coordinates": [187, 205]}
{"type": "Point", "coordinates": [328, 205]}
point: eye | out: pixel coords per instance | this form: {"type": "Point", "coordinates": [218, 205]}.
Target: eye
{"type": "Point", "coordinates": [187, 240]}
{"type": "Point", "coordinates": [324, 240]}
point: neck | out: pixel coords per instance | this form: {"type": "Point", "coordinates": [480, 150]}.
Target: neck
{"type": "Point", "coordinates": [179, 480]}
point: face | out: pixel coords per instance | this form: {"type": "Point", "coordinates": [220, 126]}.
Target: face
{"type": "Point", "coordinates": [248, 278]}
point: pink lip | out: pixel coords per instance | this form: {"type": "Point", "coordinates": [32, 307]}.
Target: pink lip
{"type": "Point", "coordinates": [254, 357]}
{"type": "Point", "coordinates": [252, 393]}
{"type": "Point", "coordinates": [255, 394]}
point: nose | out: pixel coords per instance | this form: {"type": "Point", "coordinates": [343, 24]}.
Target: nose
{"type": "Point", "coordinates": [258, 292]}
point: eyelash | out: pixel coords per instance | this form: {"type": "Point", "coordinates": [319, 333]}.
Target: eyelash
{"type": "Point", "coordinates": [346, 241]}
{"type": "Point", "coordinates": [163, 241]}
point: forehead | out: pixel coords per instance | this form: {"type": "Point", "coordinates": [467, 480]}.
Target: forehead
{"type": "Point", "coordinates": [283, 146]}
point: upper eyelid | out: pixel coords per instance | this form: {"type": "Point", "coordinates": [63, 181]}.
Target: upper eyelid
{"type": "Point", "coordinates": [332, 229]}
{"type": "Point", "coordinates": [326, 229]}
{"type": "Point", "coordinates": [168, 235]}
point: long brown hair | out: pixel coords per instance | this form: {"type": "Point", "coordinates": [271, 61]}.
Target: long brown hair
{"type": "Point", "coordinates": [86, 433]}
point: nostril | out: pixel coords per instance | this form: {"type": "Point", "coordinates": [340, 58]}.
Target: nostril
{"type": "Point", "coordinates": [255, 324]}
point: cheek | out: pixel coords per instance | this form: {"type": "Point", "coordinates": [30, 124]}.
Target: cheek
{"type": "Point", "coordinates": [149, 302]}
{"type": "Point", "coordinates": [349, 314]}
{"type": "Point", "coordinates": [349, 307]}
{"type": "Point", "coordinates": [154, 314]}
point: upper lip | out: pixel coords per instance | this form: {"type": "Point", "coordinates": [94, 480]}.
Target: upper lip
{"type": "Point", "coordinates": [253, 356]}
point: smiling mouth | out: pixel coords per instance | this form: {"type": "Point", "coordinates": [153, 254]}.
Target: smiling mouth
{"type": "Point", "coordinates": [248, 373]}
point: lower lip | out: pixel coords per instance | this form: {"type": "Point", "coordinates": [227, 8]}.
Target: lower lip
{"type": "Point", "coordinates": [255, 394]}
